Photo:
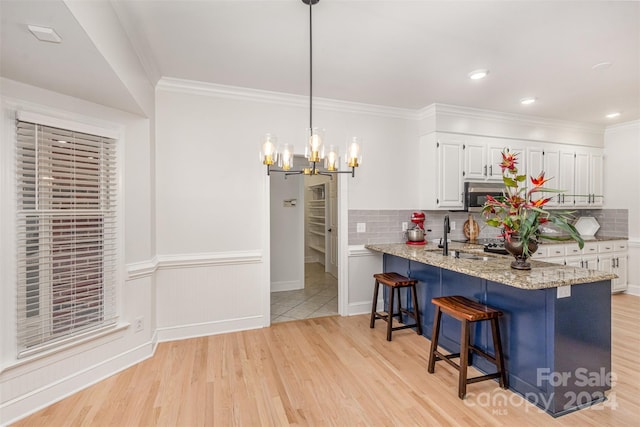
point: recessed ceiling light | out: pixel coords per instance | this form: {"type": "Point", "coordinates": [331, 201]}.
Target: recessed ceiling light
{"type": "Point", "coordinates": [602, 65]}
{"type": "Point", "coordinates": [478, 74]}
{"type": "Point", "coordinates": [45, 34]}
{"type": "Point", "coordinates": [528, 100]}
{"type": "Point", "coordinates": [613, 115]}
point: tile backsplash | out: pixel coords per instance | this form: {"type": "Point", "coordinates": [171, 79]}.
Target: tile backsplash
{"type": "Point", "coordinates": [385, 226]}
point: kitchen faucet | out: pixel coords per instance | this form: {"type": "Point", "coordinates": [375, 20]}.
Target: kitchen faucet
{"type": "Point", "coordinates": [445, 238]}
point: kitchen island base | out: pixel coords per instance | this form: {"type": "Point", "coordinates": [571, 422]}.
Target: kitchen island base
{"type": "Point", "coordinates": [557, 350]}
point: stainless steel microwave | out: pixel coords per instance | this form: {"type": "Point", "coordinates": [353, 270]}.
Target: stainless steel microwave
{"type": "Point", "coordinates": [475, 194]}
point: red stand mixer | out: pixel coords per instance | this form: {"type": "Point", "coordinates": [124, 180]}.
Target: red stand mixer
{"type": "Point", "coordinates": [416, 235]}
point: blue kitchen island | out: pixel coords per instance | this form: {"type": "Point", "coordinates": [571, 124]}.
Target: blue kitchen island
{"type": "Point", "coordinates": [557, 348]}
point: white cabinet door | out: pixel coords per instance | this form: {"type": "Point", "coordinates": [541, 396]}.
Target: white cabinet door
{"type": "Point", "coordinates": [451, 186]}
{"type": "Point", "coordinates": [596, 182]}
{"type": "Point", "coordinates": [606, 262]}
{"type": "Point", "coordinates": [621, 269]}
{"type": "Point", "coordinates": [551, 167]}
{"type": "Point", "coordinates": [494, 159]}
{"type": "Point", "coordinates": [588, 179]}
{"type": "Point", "coordinates": [590, 262]}
{"type": "Point", "coordinates": [574, 261]}
{"type": "Point", "coordinates": [581, 183]}
{"type": "Point", "coordinates": [482, 161]}
{"type": "Point", "coordinates": [535, 161]}
{"type": "Point", "coordinates": [547, 160]}
{"type": "Point", "coordinates": [475, 163]}
{"type": "Point", "coordinates": [566, 173]}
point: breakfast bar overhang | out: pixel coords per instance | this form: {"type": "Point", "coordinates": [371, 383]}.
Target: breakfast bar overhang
{"type": "Point", "coordinates": [557, 347]}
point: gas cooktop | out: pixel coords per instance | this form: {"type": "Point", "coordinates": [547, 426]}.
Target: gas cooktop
{"type": "Point", "coordinates": [494, 246]}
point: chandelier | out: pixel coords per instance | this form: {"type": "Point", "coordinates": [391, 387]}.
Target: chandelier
{"type": "Point", "coordinates": [279, 157]}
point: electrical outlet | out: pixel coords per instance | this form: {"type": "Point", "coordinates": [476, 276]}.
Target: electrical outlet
{"type": "Point", "coordinates": [361, 227]}
{"type": "Point", "coordinates": [563, 291]}
{"type": "Point", "coordinates": [452, 225]}
{"type": "Point", "coordinates": [138, 324]}
{"type": "Point", "coordinates": [405, 226]}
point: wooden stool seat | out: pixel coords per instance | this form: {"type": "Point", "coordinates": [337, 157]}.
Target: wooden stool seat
{"type": "Point", "coordinates": [464, 308]}
{"type": "Point", "coordinates": [395, 282]}
{"type": "Point", "coordinates": [467, 311]}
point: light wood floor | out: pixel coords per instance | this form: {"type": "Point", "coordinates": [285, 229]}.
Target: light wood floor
{"type": "Point", "coordinates": [331, 371]}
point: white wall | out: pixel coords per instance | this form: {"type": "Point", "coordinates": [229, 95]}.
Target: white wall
{"type": "Point", "coordinates": [30, 383]}
{"type": "Point", "coordinates": [209, 178]}
{"type": "Point", "coordinates": [621, 186]}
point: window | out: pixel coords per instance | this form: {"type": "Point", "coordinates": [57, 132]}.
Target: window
{"type": "Point", "coordinates": [66, 235]}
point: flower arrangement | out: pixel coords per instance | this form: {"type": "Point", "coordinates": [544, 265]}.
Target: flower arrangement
{"type": "Point", "coordinates": [518, 212]}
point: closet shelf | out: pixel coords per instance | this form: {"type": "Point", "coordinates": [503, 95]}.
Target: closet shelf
{"type": "Point", "coordinates": [317, 248]}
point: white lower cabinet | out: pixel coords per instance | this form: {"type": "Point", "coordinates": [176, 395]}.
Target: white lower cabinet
{"type": "Point", "coordinates": [612, 258]}
{"type": "Point", "coordinates": [609, 256]}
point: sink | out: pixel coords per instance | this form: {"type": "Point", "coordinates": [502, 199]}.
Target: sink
{"type": "Point", "coordinates": [465, 255]}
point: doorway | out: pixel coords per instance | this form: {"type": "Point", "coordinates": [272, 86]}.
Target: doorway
{"type": "Point", "coordinates": [304, 246]}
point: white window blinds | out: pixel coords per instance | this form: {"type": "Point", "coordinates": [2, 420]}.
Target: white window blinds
{"type": "Point", "coordinates": [66, 235]}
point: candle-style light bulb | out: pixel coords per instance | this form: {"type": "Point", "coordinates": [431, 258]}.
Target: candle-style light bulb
{"type": "Point", "coordinates": [285, 159]}
{"type": "Point", "coordinates": [269, 152]}
{"type": "Point", "coordinates": [315, 147]}
{"type": "Point", "coordinates": [331, 161]}
{"type": "Point", "coordinates": [354, 151]}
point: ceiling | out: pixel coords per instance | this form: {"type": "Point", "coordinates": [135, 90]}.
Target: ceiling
{"type": "Point", "coordinates": [396, 53]}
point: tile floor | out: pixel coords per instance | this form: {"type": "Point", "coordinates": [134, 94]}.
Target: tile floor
{"type": "Point", "coordinates": [318, 298]}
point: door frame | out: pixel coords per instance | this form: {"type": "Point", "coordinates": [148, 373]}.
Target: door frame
{"type": "Point", "coordinates": [343, 248]}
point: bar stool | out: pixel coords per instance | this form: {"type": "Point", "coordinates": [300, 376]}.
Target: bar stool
{"type": "Point", "coordinates": [395, 281]}
{"type": "Point", "coordinates": [467, 311]}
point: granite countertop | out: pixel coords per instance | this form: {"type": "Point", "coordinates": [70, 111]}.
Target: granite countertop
{"type": "Point", "coordinates": [496, 267]}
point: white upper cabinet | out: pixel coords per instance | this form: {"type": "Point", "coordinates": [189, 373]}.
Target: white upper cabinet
{"type": "Point", "coordinates": [441, 180]}
{"type": "Point", "coordinates": [482, 158]}
{"type": "Point", "coordinates": [475, 162]}
{"type": "Point", "coordinates": [545, 159]}
{"type": "Point", "coordinates": [451, 186]}
{"type": "Point", "coordinates": [450, 159]}
{"type": "Point", "coordinates": [596, 177]}
{"type": "Point", "coordinates": [581, 176]}
{"type": "Point", "coordinates": [566, 177]}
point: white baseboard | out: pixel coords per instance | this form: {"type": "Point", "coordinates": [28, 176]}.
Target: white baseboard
{"type": "Point", "coordinates": [363, 307]}
{"type": "Point", "coordinates": [286, 286]}
{"type": "Point", "coordinates": [51, 393]}
{"type": "Point", "coordinates": [209, 328]}
{"type": "Point", "coordinates": [633, 290]}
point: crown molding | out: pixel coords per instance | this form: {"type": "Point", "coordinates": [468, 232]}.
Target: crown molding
{"type": "Point", "coordinates": [169, 84]}
{"type": "Point", "coordinates": [623, 126]}
{"type": "Point", "coordinates": [521, 119]}
{"type": "Point", "coordinates": [432, 111]}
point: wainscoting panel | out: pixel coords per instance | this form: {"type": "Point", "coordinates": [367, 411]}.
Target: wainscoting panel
{"type": "Point", "coordinates": [363, 264]}
{"type": "Point", "coordinates": [209, 294]}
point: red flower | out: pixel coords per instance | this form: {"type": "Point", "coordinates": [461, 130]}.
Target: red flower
{"type": "Point", "coordinates": [540, 202]}
{"type": "Point", "coordinates": [509, 161]}
{"type": "Point", "coordinates": [539, 180]}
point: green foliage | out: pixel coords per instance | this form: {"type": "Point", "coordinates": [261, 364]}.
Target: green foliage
{"type": "Point", "coordinates": [517, 213]}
